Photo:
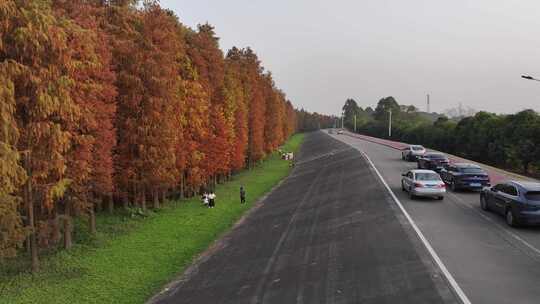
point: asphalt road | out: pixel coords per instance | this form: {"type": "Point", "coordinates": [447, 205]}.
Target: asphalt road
{"type": "Point", "coordinates": [330, 233]}
{"type": "Point", "coordinates": [491, 262]}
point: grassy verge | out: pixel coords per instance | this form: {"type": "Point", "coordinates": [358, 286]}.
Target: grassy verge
{"type": "Point", "coordinates": [132, 257]}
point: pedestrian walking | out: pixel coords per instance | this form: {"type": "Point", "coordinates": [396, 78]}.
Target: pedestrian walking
{"type": "Point", "coordinates": [211, 199]}
{"type": "Point", "coordinates": [242, 195]}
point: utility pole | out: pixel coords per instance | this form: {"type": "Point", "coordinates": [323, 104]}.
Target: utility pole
{"type": "Point", "coordinates": [390, 123]}
{"type": "Point", "coordinates": [428, 109]}
{"type": "Point", "coordinates": [354, 123]}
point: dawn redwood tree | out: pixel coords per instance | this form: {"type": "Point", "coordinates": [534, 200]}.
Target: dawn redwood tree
{"type": "Point", "coordinates": [272, 130]}
{"type": "Point", "coordinates": [195, 130]}
{"type": "Point", "coordinates": [35, 45]}
{"type": "Point", "coordinates": [160, 101]}
{"type": "Point", "coordinates": [235, 96]}
{"type": "Point", "coordinates": [123, 25]}
{"type": "Point", "coordinates": [12, 175]}
{"type": "Point", "coordinates": [207, 58]}
{"type": "Point", "coordinates": [250, 72]}
{"type": "Point", "coordinates": [90, 168]}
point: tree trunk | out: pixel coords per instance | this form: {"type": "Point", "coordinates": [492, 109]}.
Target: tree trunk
{"type": "Point", "coordinates": [182, 187]}
{"type": "Point", "coordinates": [68, 242]}
{"type": "Point", "coordinates": [163, 196]}
{"type": "Point", "coordinates": [125, 201]}
{"type": "Point", "coordinates": [155, 198]}
{"type": "Point", "coordinates": [92, 220]}
{"type": "Point", "coordinates": [56, 228]}
{"type": "Point", "coordinates": [111, 203]}
{"type": "Point", "coordinates": [32, 242]}
{"type": "Point", "coordinates": [99, 205]}
{"type": "Point", "coordinates": [143, 199]}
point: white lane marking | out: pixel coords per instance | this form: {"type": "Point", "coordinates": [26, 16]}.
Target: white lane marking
{"type": "Point", "coordinates": [501, 227]}
{"type": "Point", "coordinates": [430, 249]}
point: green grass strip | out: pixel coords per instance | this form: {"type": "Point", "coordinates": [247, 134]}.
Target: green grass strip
{"type": "Point", "coordinates": [133, 257]}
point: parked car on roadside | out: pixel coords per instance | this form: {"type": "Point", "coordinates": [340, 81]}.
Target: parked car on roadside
{"type": "Point", "coordinates": [432, 161]}
{"type": "Point", "coordinates": [519, 202]}
{"type": "Point", "coordinates": [423, 183]}
{"type": "Point", "coordinates": [464, 176]}
{"type": "Point", "coordinates": [412, 152]}
{"type": "Point", "coordinates": [340, 131]}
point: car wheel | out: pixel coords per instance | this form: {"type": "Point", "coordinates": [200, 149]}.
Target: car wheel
{"type": "Point", "coordinates": [453, 186]}
{"type": "Point", "coordinates": [483, 203]}
{"type": "Point", "coordinates": [440, 198]}
{"type": "Point", "coordinates": [510, 219]}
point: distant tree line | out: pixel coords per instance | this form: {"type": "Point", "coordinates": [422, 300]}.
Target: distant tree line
{"type": "Point", "coordinates": [307, 121]}
{"type": "Point", "coordinates": [508, 141]}
{"type": "Point", "coordinates": [107, 104]}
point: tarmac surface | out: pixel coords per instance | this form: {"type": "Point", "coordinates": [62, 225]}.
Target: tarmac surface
{"type": "Point", "coordinates": [330, 233]}
{"type": "Point", "coordinates": [491, 262]}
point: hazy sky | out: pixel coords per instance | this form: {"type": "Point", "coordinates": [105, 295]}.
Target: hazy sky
{"type": "Point", "coordinates": [322, 52]}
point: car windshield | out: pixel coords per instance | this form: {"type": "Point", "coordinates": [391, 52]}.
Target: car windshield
{"type": "Point", "coordinates": [533, 195]}
{"type": "Point", "coordinates": [471, 170]}
{"type": "Point", "coordinates": [427, 176]}
{"type": "Point", "coordinates": [417, 148]}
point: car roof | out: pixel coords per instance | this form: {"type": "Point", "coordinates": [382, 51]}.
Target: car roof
{"type": "Point", "coordinates": [528, 186]}
{"type": "Point", "coordinates": [422, 171]}
{"type": "Point", "coordinates": [466, 165]}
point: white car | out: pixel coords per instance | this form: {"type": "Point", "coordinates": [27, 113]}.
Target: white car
{"type": "Point", "coordinates": [423, 183]}
{"type": "Point", "coordinates": [412, 152]}
{"type": "Point", "coordinates": [340, 131]}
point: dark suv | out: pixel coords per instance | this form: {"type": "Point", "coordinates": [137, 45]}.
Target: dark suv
{"type": "Point", "coordinates": [432, 161]}
{"type": "Point", "coordinates": [519, 202]}
{"type": "Point", "coordinates": [464, 176]}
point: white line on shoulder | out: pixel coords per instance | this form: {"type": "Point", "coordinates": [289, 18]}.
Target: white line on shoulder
{"type": "Point", "coordinates": [426, 243]}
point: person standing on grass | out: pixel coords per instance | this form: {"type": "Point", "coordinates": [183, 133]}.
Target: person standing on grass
{"type": "Point", "coordinates": [242, 195]}
{"type": "Point", "coordinates": [211, 199]}
{"type": "Point", "coordinates": [204, 199]}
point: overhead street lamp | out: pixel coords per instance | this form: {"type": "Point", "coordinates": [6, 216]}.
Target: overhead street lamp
{"type": "Point", "coordinates": [529, 77]}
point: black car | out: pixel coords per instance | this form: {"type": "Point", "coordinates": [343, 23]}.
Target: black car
{"type": "Point", "coordinates": [464, 176]}
{"type": "Point", "coordinates": [519, 202]}
{"type": "Point", "coordinates": [432, 161]}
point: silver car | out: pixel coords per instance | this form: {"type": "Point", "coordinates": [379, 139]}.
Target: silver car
{"type": "Point", "coordinates": [423, 183]}
{"type": "Point", "coordinates": [412, 152]}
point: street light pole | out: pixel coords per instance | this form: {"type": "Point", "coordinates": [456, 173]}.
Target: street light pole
{"type": "Point", "coordinates": [390, 123]}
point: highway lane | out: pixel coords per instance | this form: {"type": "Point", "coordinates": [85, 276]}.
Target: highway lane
{"type": "Point", "coordinates": [491, 262]}
{"type": "Point", "coordinates": [330, 233]}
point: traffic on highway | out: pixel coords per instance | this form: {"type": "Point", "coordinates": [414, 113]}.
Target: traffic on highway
{"type": "Point", "coordinates": [485, 231]}
{"type": "Point", "coordinates": [517, 201]}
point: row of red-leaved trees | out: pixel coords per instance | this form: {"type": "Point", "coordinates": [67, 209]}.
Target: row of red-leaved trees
{"type": "Point", "coordinates": [108, 104]}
